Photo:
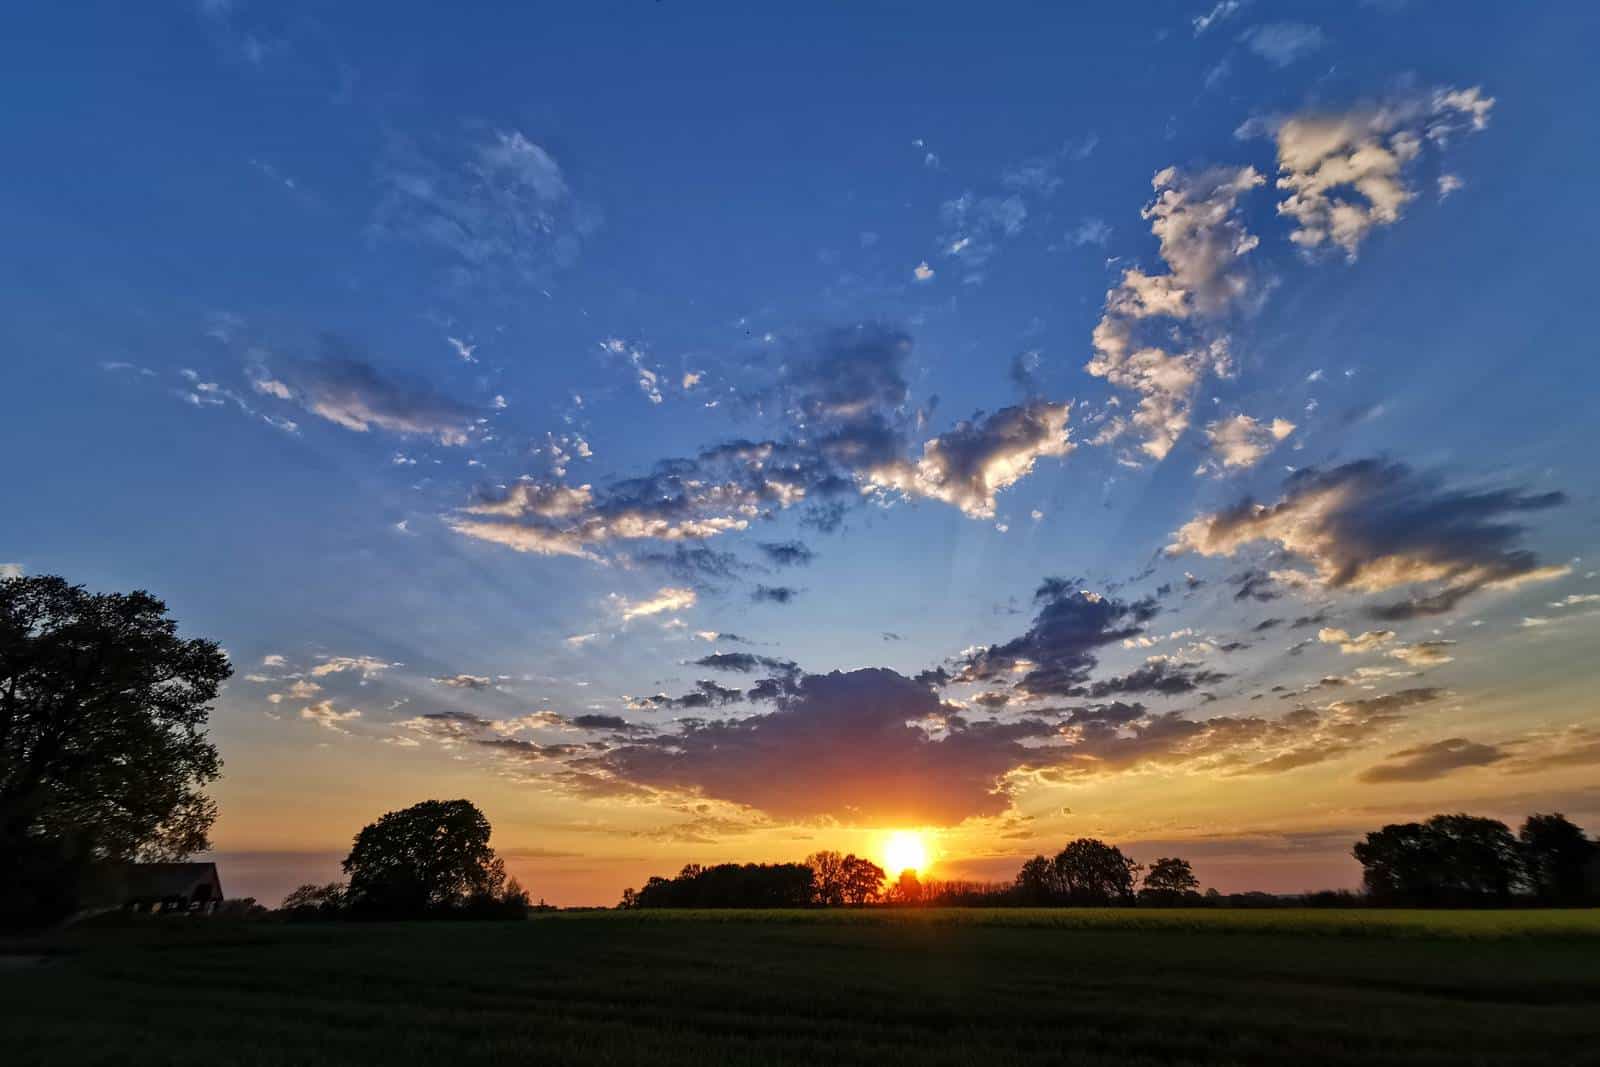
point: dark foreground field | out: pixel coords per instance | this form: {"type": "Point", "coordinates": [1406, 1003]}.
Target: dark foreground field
{"type": "Point", "coordinates": [985, 988]}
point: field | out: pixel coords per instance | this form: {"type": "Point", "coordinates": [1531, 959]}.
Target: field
{"type": "Point", "coordinates": [932, 987]}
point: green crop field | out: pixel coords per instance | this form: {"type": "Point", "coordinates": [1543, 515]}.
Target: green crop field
{"type": "Point", "coordinates": [929, 987]}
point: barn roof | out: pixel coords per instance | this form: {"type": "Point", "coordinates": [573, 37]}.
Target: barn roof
{"type": "Point", "coordinates": [149, 881]}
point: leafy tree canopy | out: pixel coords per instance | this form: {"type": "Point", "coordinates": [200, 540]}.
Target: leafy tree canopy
{"type": "Point", "coordinates": [1169, 879]}
{"type": "Point", "coordinates": [103, 751]}
{"type": "Point", "coordinates": [1448, 859]}
{"type": "Point", "coordinates": [427, 858]}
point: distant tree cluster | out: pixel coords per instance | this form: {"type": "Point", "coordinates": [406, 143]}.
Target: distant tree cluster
{"type": "Point", "coordinates": [1465, 860]}
{"type": "Point", "coordinates": [846, 879]}
{"type": "Point", "coordinates": [825, 878]}
{"type": "Point", "coordinates": [727, 885]}
{"type": "Point", "coordinates": [431, 860]}
{"type": "Point", "coordinates": [1086, 872]}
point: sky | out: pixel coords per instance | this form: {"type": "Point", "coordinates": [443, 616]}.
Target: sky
{"type": "Point", "coordinates": [700, 432]}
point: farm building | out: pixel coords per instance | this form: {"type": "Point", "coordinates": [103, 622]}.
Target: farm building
{"type": "Point", "coordinates": [153, 887]}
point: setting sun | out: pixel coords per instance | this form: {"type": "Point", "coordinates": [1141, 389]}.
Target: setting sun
{"type": "Point", "coordinates": [905, 851]}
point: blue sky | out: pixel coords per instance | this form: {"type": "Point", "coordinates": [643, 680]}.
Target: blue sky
{"type": "Point", "coordinates": [353, 332]}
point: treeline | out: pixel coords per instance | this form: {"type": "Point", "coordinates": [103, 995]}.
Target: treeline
{"type": "Point", "coordinates": [1458, 860]}
{"type": "Point", "coordinates": [1086, 872]}
{"type": "Point", "coordinates": [1448, 860]}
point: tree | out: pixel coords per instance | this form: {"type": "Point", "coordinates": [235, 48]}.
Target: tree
{"type": "Point", "coordinates": [1555, 857]}
{"type": "Point", "coordinates": [103, 751]}
{"type": "Point", "coordinates": [908, 889]}
{"type": "Point", "coordinates": [315, 901]}
{"type": "Point", "coordinates": [431, 857]}
{"type": "Point", "coordinates": [1169, 880]}
{"type": "Point", "coordinates": [1089, 871]}
{"type": "Point", "coordinates": [1036, 882]}
{"type": "Point", "coordinates": [862, 880]}
{"type": "Point", "coordinates": [827, 874]}
{"type": "Point", "coordinates": [1450, 859]}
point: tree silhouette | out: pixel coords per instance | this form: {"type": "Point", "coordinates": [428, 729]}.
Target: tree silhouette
{"type": "Point", "coordinates": [907, 888]}
{"type": "Point", "coordinates": [827, 875]}
{"type": "Point", "coordinates": [862, 880]}
{"type": "Point", "coordinates": [425, 859]}
{"type": "Point", "coordinates": [1556, 856]}
{"type": "Point", "coordinates": [315, 901]}
{"type": "Point", "coordinates": [1450, 859]}
{"type": "Point", "coordinates": [1036, 882]}
{"type": "Point", "coordinates": [1168, 881]}
{"type": "Point", "coordinates": [103, 750]}
{"type": "Point", "coordinates": [1089, 871]}
{"type": "Point", "coordinates": [727, 885]}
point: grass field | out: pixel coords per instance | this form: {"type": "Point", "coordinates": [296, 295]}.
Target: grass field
{"type": "Point", "coordinates": [925, 987]}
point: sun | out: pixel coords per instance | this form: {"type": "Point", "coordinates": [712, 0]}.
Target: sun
{"type": "Point", "coordinates": [905, 851]}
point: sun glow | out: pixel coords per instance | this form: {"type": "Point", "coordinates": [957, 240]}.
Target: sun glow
{"type": "Point", "coordinates": [905, 851]}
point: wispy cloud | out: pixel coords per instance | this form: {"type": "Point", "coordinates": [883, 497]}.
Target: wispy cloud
{"type": "Point", "coordinates": [1281, 43]}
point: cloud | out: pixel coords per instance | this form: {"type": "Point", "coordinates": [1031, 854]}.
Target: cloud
{"type": "Point", "coordinates": [706, 694]}
{"type": "Point", "coordinates": [846, 405]}
{"type": "Point", "coordinates": [1352, 645]}
{"type": "Point", "coordinates": [10, 570]}
{"type": "Point", "coordinates": [1240, 442]}
{"type": "Point", "coordinates": [744, 662]}
{"type": "Point", "coordinates": [1223, 10]}
{"type": "Point", "coordinates": [976, 225]}
{"type": "Point", "coordinates": [1258, 585]}
{"type": "Point", "coordinates": [846, 402]}
{"type": "Point", "coordinates": [1203, 243]}
{"type": "Point", "coordinates": [1372, 525]}
{"type": "Point", "coordinates": [1424, 653]}
{"type": "Point", "coordinates": [787, 553]}
{"type": "Point", "coordinates": [464, 730]}
{"type": "Point", "coordinates": [367, 666]}
{"type": "Point", "coordinates": [874, 747]}
{"type": "Point", "coordinates": [465, 681]}
{"type": "Point", "coordinates": [1281, 43]}
{"type": "Point", "coordinates": [446, 727]}
{"type": "Point", "coordinates": [1574, 746]}
{"type": "Point", "coordinates": [1091, 231]}
{"type": "Point", "coordinates": [497, 211]}
{"type": "Point", "coordinates": [325, 715]}
{"type": "Point", "coordinates": [610, 723]}
{"type": "Point", "coordinates": [647, 378]}
{"type": "Point", "coordinates": [1231, 745]}
{"type": "Point", "coordinates": [301, 689]}
{"type": "Point", "coordinates": [698, 565]}
{"type": "Point", "coordinates": [969, 464]}
{"type": "Point", "coordinates": [1160, 674]}
{"type": "Point", "coordinates": [1345, 172]}
{"type": "Point", "coordinates": [668, 598]}
{"type": "Point", "coordinates": [843, 745]}
{"type": "Point", "coordinates": [1037, 176]}
{"type": "Point", "coordinates": [922, 272]}
{"type": "Point", "coordinates": [1056, 654]}
{"type": "Point", "coordinates": [1424, 763]}
{"type": "Point", "coordinates": [774, 594]}
{"type": "Point", "coordinates": [344, 389]}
